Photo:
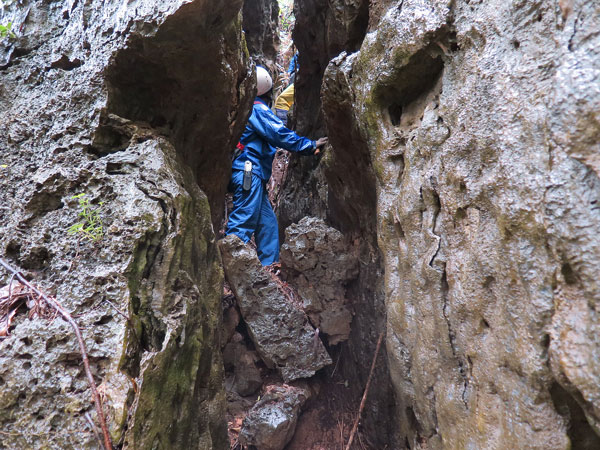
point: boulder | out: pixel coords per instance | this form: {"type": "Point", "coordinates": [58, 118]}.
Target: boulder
{"type": "Point", "coordinates": [318, 261]}
{"type": "Point", "coordinates": [271, 423]}
{"type": "Point", "coordinates": [281, 331]}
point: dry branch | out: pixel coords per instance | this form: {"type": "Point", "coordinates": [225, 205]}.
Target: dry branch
{"type": "Point", "coordinates": [56, 306]}
{"type": "Point", "coordinates": [364, 397]}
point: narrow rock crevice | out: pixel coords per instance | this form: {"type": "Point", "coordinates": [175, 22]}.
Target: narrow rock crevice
{"type": "Point", "coordinates": [580, 432]}
{"type": "Point", "coordinates": [165, 82]}
{"type": "Point", "coordinates": [340, 189]}
{"type": "Point", "coordinates": [455, 207]}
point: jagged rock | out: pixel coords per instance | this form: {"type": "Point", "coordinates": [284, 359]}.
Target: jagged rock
{"type": "Point", "coordinates": [283, 337]}
{"type": "Point", "coordinates": [271, 422]}
{"type": "Point", "coordinates": [318, 261]}
{"type": "Point", "coordinates": [261, 19]}
{"type": "Point", "coordinates": [340, 188]}
{"type": "Point", "coordinates": [125, 102]}
{"type": "Point", "coordinates": [464, 146]}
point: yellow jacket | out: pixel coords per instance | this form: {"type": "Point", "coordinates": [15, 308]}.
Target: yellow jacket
{"type": "Point", "coordinates": [285, 99]}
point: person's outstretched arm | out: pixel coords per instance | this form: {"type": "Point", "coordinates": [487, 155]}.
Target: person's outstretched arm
{"type": "Point", "coordinates": [269, 127]}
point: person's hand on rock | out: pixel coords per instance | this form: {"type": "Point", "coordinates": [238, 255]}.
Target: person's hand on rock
{"type": "Point", "coordinates": [321, 142]}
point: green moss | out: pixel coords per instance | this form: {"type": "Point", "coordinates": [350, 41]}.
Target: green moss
{"type": "Point", "coordinates": [177, 381]}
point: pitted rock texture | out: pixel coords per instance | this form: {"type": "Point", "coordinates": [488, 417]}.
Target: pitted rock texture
{"type": "Point", "coordinates": [340, 188]}
{"type": "Point", "coordinates": [318, 261]}
{"type": "Point", "coordinates": [114, 100]}
{"type": "Point", "coordinates": [481, 124]}
{"type": "Point", "coordinates": [281, 332]}
{"type": "Point", "coordinates": [271, 422]}
{"type": "Point", "coordinates": [261, 19]}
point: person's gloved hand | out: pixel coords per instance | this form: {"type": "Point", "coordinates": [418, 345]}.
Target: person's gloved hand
{"type": "Point", "coordinates": [321, 142]}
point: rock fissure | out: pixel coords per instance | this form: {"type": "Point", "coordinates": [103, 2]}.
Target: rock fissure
{"type": "Point", "coordinates": [458, 197]}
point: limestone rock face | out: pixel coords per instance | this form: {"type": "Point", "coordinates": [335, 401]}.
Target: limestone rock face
{"type": "Point", "coordinates": [481, 125]}
{"type": "Point", "coordinates": [318, 262]}
{"type": "Point", "coordinates": [134, 105]}
{"type": "Point", "coordinates": [261, 19]}
{"type": "Point", "coordinates": [281, 332]}
{"type": "Point", "coordinates": [339, 187]}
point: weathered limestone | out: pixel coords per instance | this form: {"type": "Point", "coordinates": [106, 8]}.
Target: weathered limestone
{"type": "Point", "coordinates": [481, 123]}
{"type": "Point", "coordinates": [271, 422]}
{"type": "Point", "coordinates": [318, 262]}
{"type": "Point", "coordinates": [340, 188]}
{"type": "Point", "coordinates": [261, 19]}
{"type": "Point", "coordinates": [134, 105]}
{"type": "Point", "coordinates": [463, 161]}
{"type": "Point", "coordinates": [283, 337]}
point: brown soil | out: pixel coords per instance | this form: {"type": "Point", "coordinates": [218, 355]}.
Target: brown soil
{"type": "Point", "coordinates": [327, 421]}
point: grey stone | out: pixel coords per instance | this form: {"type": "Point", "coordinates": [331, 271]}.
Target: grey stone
{"type": "Point", "coordinates": [261, 20]}
{"type": "Point", "coordinates": [123, 102]}
{"type": "Point", "coordinates": [231, 352]}
{"type": "Point", "coordinates": [281, 332]}
{"type": "Point", "coordinates": [318, 261]}
{"type": "Point", "coordinates": [472, 127]}
{"type": "Point", "coordinates": [486, 182]}
{"type": "Point", "coordinates": [237, 358]}
{"type": "Point", "coordinates": [231, 319]}
{"type": "Point", "coordinates": [271, 422]}
{"type": "Point", "coordinates": [340, 187]}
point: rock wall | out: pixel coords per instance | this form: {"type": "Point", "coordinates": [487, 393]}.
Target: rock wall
{"type": "Point", "coordinates": [261, 21]}
{"type": "Point", "coordinates": [135, 105]}
{"type": "Point", "coordinates": [340, 188]}
{"type": "Point", "coordinates": [475, 127]}
{"type": "Point", "coordinates": [463, 168]}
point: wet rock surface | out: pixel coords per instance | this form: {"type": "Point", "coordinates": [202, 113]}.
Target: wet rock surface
{"type": "Point", "coordinates": [340, 188]}
{"type": "Point", "coordinates": [318, 262]}
{"type": "Point", "coordinates": [261, 19]}
{"type": "Point", "coordinates": [114, 101]}
{"type": "Point", "coordinates": [281, 332]}
{"type": "Point", "coordinates": [463, 163]}
{"type": "Point", "coordinates": [271, 422]}
{"type": "Point", "coordinates": [485, 214]}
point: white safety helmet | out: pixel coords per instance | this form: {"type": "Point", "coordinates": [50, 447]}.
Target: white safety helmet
{"type": "Point", "coordinates": [264, 82]}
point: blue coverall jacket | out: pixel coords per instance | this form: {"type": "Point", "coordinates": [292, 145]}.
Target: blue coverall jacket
{"type": "Point", "coordinates": [252, 212]}
{"type": "Point", "coordinates": [293, 64]}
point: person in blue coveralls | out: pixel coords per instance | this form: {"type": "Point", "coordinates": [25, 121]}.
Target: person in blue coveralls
{"type": "Point", "coordinates": [293, 68]}
{"type": "Point", "coordinates": [251, 169]}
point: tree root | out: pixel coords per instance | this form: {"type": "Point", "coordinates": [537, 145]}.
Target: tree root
{"type": "Point", "coordinates": [364, 397]}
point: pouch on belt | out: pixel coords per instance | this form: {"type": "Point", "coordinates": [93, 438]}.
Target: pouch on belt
{"type": "Point", "coordinates": [247, 183]}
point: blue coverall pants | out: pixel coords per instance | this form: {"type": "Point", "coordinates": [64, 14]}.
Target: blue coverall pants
{"type": "Point", "coordinates": [252, 213]}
